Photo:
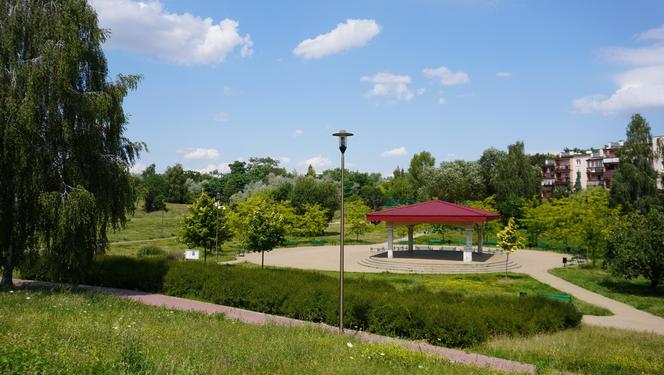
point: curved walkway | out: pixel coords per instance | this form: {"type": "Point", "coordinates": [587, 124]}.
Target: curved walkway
{"type": "Point", "coordinates": [533, 263]}
{"type": "Point", "coordinates": [252, 317]}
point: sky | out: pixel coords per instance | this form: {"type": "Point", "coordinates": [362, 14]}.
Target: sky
{"type": "Point", "coordinates": [225, 81]}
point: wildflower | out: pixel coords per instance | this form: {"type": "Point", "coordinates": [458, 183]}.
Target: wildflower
{"type": "Point", "coordinates": [11, 291]}
{"type": "Point", "coordinates": [28, 297]}
{"type": "Point", "coordinates": [349, 344]}
{"type": "Point", "coordinates": [351, 357]}
{"type": "Point", "coordinates": [420, 366]}
{"type": "Point", "coordinates": [383, 354]}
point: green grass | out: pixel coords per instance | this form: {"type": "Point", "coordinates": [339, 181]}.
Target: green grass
{"type": "Point", "coordinates": [477, 284]}
{"type": "Point", "coordinates": [103, 334]}
{"type": "Point", "coordinates": [152, 225]}
{"type": "Point", "coordinates": [584, 350]}
{"type": "Point", "coordinates": [378, 234]}
{"type": "Point", "coordinates": [636, 292]}
{"type": "Point", "coordinates": [169, 246]}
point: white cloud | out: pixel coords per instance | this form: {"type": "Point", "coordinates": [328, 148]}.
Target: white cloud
{"type": "Point", "coordinates": [283, 160]}
{"type": "Point", "coordinates": [221, 117]}
{"type": "Point", "coordinates": [316, 162]}
{"type": "Point", "coordinates": [442, 101]}
{"type": "Point", "coordinates": [399, 151]}
{"type": "Point", "coordinates": [179, 38]}
{"type": "Point", "coordinates": [347, 35]}
{"type": "Point", "coordinates": [137, 168]}
{"type": "Point", "coordinates": [202, 153]}
{"type": "Point", "coordinates": [388, 84]}
{"type": "Point", "coordinates": [228, 91]}
{"type": "Point", "coordinates": [639, 87]}
{"type": "Point", "coordinates": [222, 168]}
{"type": "Point", "coordinates": [503, 74]}
{"type": "Point", "coordinates": [297, 133]}
{"type": "Point", "coordinates": [446, 76]}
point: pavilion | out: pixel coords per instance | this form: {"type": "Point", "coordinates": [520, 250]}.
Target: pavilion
{"type": "Point", "coordinates": [434, 212]}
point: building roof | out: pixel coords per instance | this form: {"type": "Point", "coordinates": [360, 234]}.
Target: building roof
{"type": "Point", "coordinates": [433, 211]}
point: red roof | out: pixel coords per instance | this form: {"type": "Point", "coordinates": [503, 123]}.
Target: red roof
{"type": "Point", "coordinates": [433, 211]}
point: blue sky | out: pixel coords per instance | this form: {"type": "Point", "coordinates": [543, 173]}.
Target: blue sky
{"type": "Point", "coordinates": [230, 80]}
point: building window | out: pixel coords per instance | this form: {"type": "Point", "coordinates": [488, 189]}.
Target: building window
{"type": "Point", "coordinates": [578, 161]}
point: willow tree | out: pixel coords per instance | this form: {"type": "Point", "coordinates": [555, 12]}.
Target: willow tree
{"type": "Point", "coordinates": [64, 159]}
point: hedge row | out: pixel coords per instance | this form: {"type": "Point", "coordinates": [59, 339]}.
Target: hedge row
{"type": "Point", "coordinates": [440, 318]}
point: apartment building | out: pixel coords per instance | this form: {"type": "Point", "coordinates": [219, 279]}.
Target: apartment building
{"type": "Point", "coordinates": [591, 168]}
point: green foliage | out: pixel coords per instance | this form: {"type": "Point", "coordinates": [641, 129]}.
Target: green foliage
{"type": "Point", "coordinates": [155, 189]}
{"type": "Point", "coordinates": [311, 172]}
{"type": "Point", "coordinates": [356, 219]}
{"type": "Point", "coordinates": [308, 190]}
{"type": "Point", "coordinates": [376, 306]}
{"type": "Point", "coordinates": [515, 181]}
{"type": "Point", "coordinates": [634, 185]}
{"type": "Point", "coordinates": [312, 222]}
{"type": "Point", "coordinates": [150, 251]}
{"type": "Point", "coordinates": [636, 247]}
{"type": "Point", "coordinates": [419, 165]}
{"type": "Point", "coordinates": [61, 128]}
{"type": "Point", "coordinates": [509, 239]}
{"type": "Point", "coordinates": [488, 163]}
{"type": "Point", "coordinates": [455, 181]}
{"type": "Point", "coordinates": [258, 223]}
{"type": "Point", "coordinates": [176, 181]}
{"type": "Point", "coordinates": [206, 225]}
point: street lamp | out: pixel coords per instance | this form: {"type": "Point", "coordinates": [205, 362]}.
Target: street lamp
{"type": "Point", "coordinates": [218, 206]}
{"type": "Point", "coordinates": [343, 135]}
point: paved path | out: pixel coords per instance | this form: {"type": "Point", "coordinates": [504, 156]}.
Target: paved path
{"type": "Point", "coordinates": [253, 317]}
{"type": "Point", "coordinates": [533, 263]}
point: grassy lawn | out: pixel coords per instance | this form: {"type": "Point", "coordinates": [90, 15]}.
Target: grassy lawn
{"type": "Point", "coordinates": [168, 245]}
{"type": "Point", "coordinates": [636, 292]}
{"type": "Point", "coordinates": [477, 284]}
{"type": "Point", "coordinates": [584, 350]}
{"type": "Point", "coordinates": [147, 226]}
{"type": "Point", "coordinates": [103, 334]}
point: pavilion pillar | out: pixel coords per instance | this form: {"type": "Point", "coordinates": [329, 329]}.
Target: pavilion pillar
{"type": "Point", "coordinates": [410, 238]}
{"type": "Point", "coordinates": [480, 238]}
{"type": "Point", "coordinates": [390, 241]}
{"type": "Point", "coordinates": [468, 250]}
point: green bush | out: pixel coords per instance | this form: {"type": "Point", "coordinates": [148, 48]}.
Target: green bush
{"type": "Point", "coordinates": [150, 251]}
{"type": "Point", "coordinates": [441, 318]}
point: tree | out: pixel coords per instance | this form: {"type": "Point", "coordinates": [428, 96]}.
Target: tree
{"type": "Point", "coordinates": [205, 226]}
{"type": "Point", "coordinates": [176, 182]}
{"type": "Point", "coordinates": [155, 189]}
{"type": "Point", "coordinates": [373, 196]}
{"type": "Point", "coordinates": [356, 218]}
{"type": "Point", "coordinates": [455, 181]}
{"type": "Point", "coordinates": [259, 224]}
{"type": "Point", "coordinates": [636, 247]}
{"type": "Point", "coordinates": [577, 182]}
{"type": "Point", "coordinates": [307, 190]}
{"type": "Point", "coordinates": [510, 240]}
{"type": "Point", "coordinates": [420, 163]}
{"type": "Point", "coordinates": [312, 222]}
{"type": "Point", "coordinates": [634, 185]}
{"type": "Point", "coordinates": [516, 180]}
{"type": "Point", "coordinates": [62, 144]}
{"type": "Point", "coordinates": [311, 172]}
{"type": "Point", "coordinates": [488, 162]}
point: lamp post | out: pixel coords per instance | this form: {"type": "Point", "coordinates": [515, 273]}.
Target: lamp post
{"type": "Point", "coordinates": [343, 135]}
{"type": "Point", "coordinates": [217, 206]}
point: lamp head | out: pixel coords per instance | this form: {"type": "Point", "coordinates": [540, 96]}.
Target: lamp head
{"type": "Point", "coordinates": [343, 136]}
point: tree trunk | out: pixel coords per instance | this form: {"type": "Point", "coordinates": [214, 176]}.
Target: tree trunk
{"type": "Point", "coordinates": [506, 261]}
{"type": "Point", "coordinates": [654, 283]}
{"type": "Point", "coordinates": [262, 258]}
{"type": "Point", "coordinates": [205, 255]}
{"type": "Point", "coordinates": [8, 269]}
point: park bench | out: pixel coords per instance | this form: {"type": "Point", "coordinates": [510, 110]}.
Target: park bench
{"type": "Point", "coordinates": [317, 242]}
{"type": "Point", "coordinates": [435, 242]}
{"type": "Point", "coordinates": [289, 243]}
{"type": "Point", "coordinates": [558, 297]}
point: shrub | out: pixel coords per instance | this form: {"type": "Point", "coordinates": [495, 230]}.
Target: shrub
{"type": "Point", "coordinates": [150, 251]}
{"type": "Point", "coordinates": [441, 318]}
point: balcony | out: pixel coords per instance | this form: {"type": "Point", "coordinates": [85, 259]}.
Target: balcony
{"type": "Point", "coordinates": [563, 167]}
{"type": "Point", "coordinates": [611, 160]}
{"type": "Point", "coordinates": [595, 183]}
{"type": "Point", "coordinates": [548, 182]}
{"type": "Point", "coordinates": [596, 169]}
{"type": "Point", "coordinates": [549, 163]}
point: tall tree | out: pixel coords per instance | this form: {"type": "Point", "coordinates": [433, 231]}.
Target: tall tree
{"type": "Point", "coordinates": [176, 181]}
{"type": "Point", "coordinates": [154, 189]}
{"type": "Point", "coordinates": [516, 181]}
{"type": "Point", "coordinates": [419, 164]}
{"type": "Point", "coordinates": [488, 162]}
{"type": "Point", "coordinates": [311, 172]}
{"type": "Point", "coordinates": [634, 185]}
{"type": "Point", "coordinates": [62, 145]}
{"type": "Point", "coordinates": [455, 181]}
